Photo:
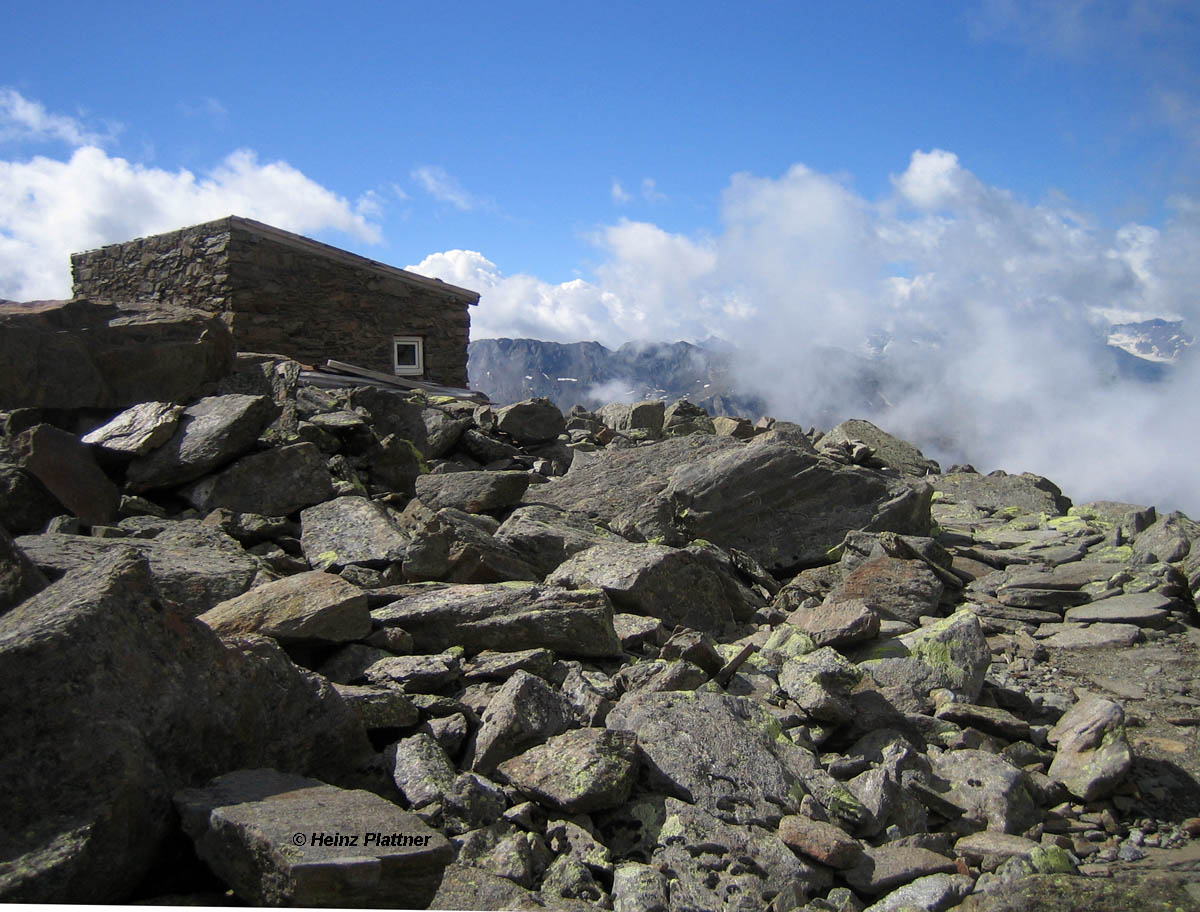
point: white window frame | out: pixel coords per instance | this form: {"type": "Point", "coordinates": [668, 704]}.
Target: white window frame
{"type": "Point", "coordinates": [408, 370]}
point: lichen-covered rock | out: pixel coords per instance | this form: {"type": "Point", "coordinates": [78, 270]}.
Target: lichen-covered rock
{"type": "Point", "coordinates": [280, 839]}
{"type": "Point", "coordinates": [213, 431]}
{"type": "Point", "coordinates": [671, 584]}
{"type": "Point", "coordinates": [507, 616]}
{"type": "Point", "coordinates": [888, 450]}
{"type": "Point", "coordinates": [312, 606]}
{"type": "Point", "coordinates": [472, 492]}
{"type": "Point", "coordinates": [525, 712]}
{"type": "Point", "coordinates": [144, 701]}
{"type": "Point", "coordinates": [952, 654]}
{"type": "Point", "coordinates": [19, 578]}
{"type": "Point", "coordinates": [194, 566]}
{"type": "Point", "coordinates": [1093, 755]}
{"type": "Point", "coordinates": [350, 530]}
{"type": "Point", "coordinates": [275, 482]}
{"type": "Point", "coordinates": [713, 749]}
{"type": "Point", "coordinates": [577, 772]}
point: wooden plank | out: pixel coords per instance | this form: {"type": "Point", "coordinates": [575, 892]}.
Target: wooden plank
{"type": "Point", "coordinates": [353, 370]}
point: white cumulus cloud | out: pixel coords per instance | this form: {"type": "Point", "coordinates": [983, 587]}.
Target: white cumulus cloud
{"type": "Point", "coordinates": [52, 207]}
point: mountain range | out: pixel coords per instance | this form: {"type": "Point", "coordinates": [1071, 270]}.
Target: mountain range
{"type": "Point", "coordinates": [591, 375]}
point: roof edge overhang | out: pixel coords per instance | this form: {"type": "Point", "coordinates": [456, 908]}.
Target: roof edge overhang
{"type": "Point", "coordinates": [328, 251]}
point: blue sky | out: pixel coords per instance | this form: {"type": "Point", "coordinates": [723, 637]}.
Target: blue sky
{"type": "Point", "coordinates": [1005, 175]}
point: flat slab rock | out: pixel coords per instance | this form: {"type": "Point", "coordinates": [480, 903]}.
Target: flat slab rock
{"type": "Point", "coordinates": [1145, 609]}
{"type": "Point", "coordinates": [195, 566]}
{"type": "Point", "coordinates": [281, 839]}
{"type": "Point", "coordinates": [507, 616]}
{"type": "Point", "coordinates": [313, 606]}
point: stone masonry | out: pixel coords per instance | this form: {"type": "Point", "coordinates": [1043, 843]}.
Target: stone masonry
{"type": "Point", "coordinates": [283, 293]}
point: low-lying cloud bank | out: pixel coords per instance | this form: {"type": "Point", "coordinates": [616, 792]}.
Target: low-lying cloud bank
{"type": "Point", "coordinates": [992, 313]}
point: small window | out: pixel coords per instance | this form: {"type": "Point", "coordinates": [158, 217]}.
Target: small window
{"type": "Point", "coordinates": [408, 358]}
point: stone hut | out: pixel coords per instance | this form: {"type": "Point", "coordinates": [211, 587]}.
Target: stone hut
{"type": "Point", "coordinates": [283, 293]}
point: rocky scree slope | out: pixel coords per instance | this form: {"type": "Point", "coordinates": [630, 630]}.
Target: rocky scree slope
{"type": "Point", "coordinates": [283, 645]}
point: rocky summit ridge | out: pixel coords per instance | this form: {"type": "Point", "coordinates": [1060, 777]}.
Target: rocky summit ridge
{"type": "Point", "coordinates": [264, 642]}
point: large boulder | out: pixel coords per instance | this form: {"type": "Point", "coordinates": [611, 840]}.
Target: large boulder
{"type": "Point", "coordinates": [66, 467]}
{"type": "Point", "coordinates": [531, 421]}
{"type": "Point", "coordinates": [782, 504]}
{"type": "Point", "coordinates": [275, 482]}
{"type": "Point", "coordinates": [507, 616]}
{"type": "Point", "coordinates": [712, 749]}
{"type": "Point", "coordinates": [213, 431]}
{"type": "Point", "coordinates": [546, 536]}
{"type": "Point", "coordinates": [351, 530]}
{"type": "Point", "coordinates": [84, 354]}
{"type": "Point", "coordinates": [889, 451]}
{"type": "Point", "coordinates": [194, 566]}
{"type": "Point", "coordinates": [280, 839]}
{"type": "Point", "coordinates": [19, 578]}
{"type": "Point", "coordinates": [671, 584]}
{"type": "Point", "coordinates": [312, 606]}
{"type": "Point", "coordinates": [113, 702]}
{"type": "Point", "coordinates": [1092, 755]}
{"type": "Point", "coordinates": [1024, 493]}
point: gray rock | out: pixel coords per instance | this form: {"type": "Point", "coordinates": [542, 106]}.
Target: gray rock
{"type": "Point", "coordinates": [67, 469]}
{"type": "Point", "coordinates": [195, 567]}
{"type": "Point", "coordinates": [1168, 540]}
{"type": "Point", "coordinates": [83, 354]}
{"type": "Point", "coordinates": [531, 421]}
{"type": "Point", "coordinates": [507, 616]}
{"type": "Point", "coordinates": [785, 506]}
{"type": "Point", "coordinates": [421, 770]}
{"type": "Point", "coordinates": [884, 868]}
{"type": "Point", "coordinates": [931, 893]}
{"type": "Point", "coordinates": [888, 450]}
{"type": "Point", "coordinates": [682, 418]}
{"type": "Point", "coordinates": [577, 772]}
{"type": "Point", "coordinates": [710, 859]}
{"type": "Point", "coordinates": [469, 887]}
{"type": "Point", "coordinates": [275, 482]}
{"type": "Point", "coordinates": [1093, 755]}
{"type": "Point", "coordinates": [358, 849]}
{"type": "Point", "coordinates": [625, 418]}
{"type": "Point", "coordinates": [671, 584]}
{"type": "Point", "coordinates": [416, 673]}
{"type": "Point", "coordinates": [442, 432]}
{"type": "Point", "coordinates": [25, 504]}
{"type": "Point", "coordinates": [213, 431]}
{"type": "Point", "coordinates": [525, 712]}
{"type": "Point", "coordinates": [952, 653]}
{"type": "Point", "coordinates": [486, 449]}
{"type": "Point", "coordinates": [820, 683]}
{"type": "Point", "coordinates": [904, 590]}
{"type": "Point", "coordinates": [837, 623]}
{"type": "Point", "coordinates": [713, 749]}
{"type": "Point", "coordinates": [19, 577]}
{"type": "Point", "coordinates": [1094, 636]}
{"type": "Point", "coordinates": [379, 707]}
{"type": "Point", "coordinates": [456, 547]}
{"type": "Point", "coordinates": [639, 887]}
{"type": "Point", "coordinates": [145, 701]}
{"type": "Point", "coordinates": [350, 530]}
{"type": "Point", "coordinates": [473, 492]}
{"type": "Point", "coordinates": [312, 606]}
{"type": "Point", "coordinates": [1028, 493]}
{"type": "Point", "coordinates": [992, 793]}
{"type": "Point", "coordinates": [137, 430]}
{"type": "Point", "coordinates": [1145, 891]}
{"type": "Point", "coordinates": [546, 536]}
{"type": "Point", "coordinates": [1145, 609]}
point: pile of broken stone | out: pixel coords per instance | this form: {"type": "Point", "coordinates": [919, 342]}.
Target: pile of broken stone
{"type": "Point", "coordinates": [362, 647]}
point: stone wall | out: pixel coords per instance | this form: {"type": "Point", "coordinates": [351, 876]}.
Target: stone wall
{"type": "Point", "coordinates": [282, 293]}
